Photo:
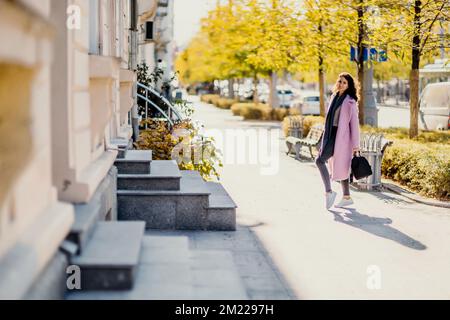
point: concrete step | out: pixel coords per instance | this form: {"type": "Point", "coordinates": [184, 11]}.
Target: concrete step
{"type": "Point", "coordinates": [168, 209]}
{"type": "Point", "coordinates": [164, 175]}
{"type": "Point", "coordinates": [170, 270]}
{"type": "Point", "coordinates": [86, 218]}
{"type": "Point", "coordinates": [135, 162]}
{"type": "Point", "coordinates": [123, 145]}
{"type": "Point", "coordinates": [164, 272]}
{"type": "Point", "coordinates": [110, 259]}
{"type": "Point", "coordinates": [221, 209]}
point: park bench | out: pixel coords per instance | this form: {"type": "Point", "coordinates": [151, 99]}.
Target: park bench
{"type": "Point", "coordinates": [312, 140]}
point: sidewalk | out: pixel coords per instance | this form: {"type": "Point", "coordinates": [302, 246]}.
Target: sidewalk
{"type": "Point", "coordinates": [384, 247]}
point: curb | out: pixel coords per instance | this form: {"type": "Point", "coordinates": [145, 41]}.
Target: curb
{"type": "Point", "coordinates": [413, 196]}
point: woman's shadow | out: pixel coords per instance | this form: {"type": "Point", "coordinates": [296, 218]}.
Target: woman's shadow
{"type": "Point", "coordinates": [377, 226]}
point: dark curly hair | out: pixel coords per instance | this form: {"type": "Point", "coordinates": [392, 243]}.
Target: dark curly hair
{"type": "Point", "coordinates": [353, 86]}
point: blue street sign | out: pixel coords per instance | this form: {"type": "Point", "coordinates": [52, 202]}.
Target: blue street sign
{"type": "Point", "coordinates": [373, 54]}
{"type": "Point", "coordinates": [353, 53]}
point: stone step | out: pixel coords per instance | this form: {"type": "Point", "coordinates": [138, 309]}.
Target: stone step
{"type": "Point", "coordinates": [221, 209]}
{"type": "Point", "coordinates": [123, 145]}
{"type": "Point", "coordinates": [170, 270]}
{"type": "Point", "coordinates": [86, 218]}
{"type": "Point", "coordinates": [168, 209]}
{"type": "Point", "coordinates": [164, 272]}
{"type": "Point", "coordinates": [110, 259]}
{"type": "Point", "coordinates": [135, 162]}
{"type": "Point", "coordinates": [164, 175]}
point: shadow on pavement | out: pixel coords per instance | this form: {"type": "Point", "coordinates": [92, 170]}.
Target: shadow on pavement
{"type": "Point", "coordinates": [376, 226]}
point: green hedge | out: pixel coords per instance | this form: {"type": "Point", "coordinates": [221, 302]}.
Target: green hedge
{"type": "Point", "coordinates": [424, 168]}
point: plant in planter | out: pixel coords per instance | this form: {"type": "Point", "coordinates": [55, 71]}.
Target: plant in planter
{"type": "Point", "coordinates": [184, 142]}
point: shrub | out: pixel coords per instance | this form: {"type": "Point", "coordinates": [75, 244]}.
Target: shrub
{"type": "Point", "coordinates": [210, 98]}
{"type": "Point", "coordinates": [287, 121]}
{"type": "Point", "coordinates": [224, 103]}
{"type": "Point", "coordinates": [280, 113]}
{"type": "Point", "coordinates": [157, 138]}
{"type": "Point", "coordinates": [252, 112]}
{"type": "Point", "coordinates": [310, 121]}
{"type": "Point", "coordinates": [203, 157]}
{"type": "Point", "coordinates": [420, 167]}
{"type": "Point", "coordinates": [236, 109]}
{"type": "Point", "coordinates": [262, 111]}
{"type": "Point", "coordinates": [403, 133]}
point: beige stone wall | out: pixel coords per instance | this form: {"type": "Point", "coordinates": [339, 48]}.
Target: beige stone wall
{"type": "Point", "coordinates": [28, 197]}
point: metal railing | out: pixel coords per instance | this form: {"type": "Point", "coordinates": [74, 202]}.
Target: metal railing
{"type": "Point", "coordinates": [148, 101]}
{"type": "Point", "coordinates": [170, 108]}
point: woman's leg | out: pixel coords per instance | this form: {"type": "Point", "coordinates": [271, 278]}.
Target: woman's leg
{"type": "Point", "coordinates": [320, 162]}
{"type": "Point", "coordinates": [346, 187]}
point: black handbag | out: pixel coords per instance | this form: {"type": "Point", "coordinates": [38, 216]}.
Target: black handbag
{"type": "Point", "coordinates": [360, 167]}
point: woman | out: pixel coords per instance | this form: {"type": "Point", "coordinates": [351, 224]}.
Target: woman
{"type": "Point", "coordinates": [340, 139]}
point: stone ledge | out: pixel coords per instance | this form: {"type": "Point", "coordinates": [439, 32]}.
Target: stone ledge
{"type": "Point", "coordinates": [27, 259]}
{"type": "Point", "coordinates": [390, 185]}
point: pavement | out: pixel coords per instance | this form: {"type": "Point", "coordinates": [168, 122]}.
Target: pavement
{"type": "Point", "coordinates": [385, 246]}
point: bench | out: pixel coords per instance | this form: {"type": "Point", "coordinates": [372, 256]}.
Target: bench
{"type": "Point", "coordinates": [311, 140]}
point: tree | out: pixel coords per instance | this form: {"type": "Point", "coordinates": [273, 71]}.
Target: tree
{"type": "Point", "coordinates": [322, 46]}
{"type": "Point", "coordinates": [415, 36]}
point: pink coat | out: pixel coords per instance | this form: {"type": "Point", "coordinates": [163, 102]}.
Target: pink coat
{"type": "Point", "coordinates": [347, 138]}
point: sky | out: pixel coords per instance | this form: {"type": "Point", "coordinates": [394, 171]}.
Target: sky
{"type": "Point", "coordinates": [187, 15]}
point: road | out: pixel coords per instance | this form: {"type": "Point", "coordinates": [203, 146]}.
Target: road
{"type": "Point", "coordinates": [390, 116]}
{"type": "Point", "coordinates": [383, 247]}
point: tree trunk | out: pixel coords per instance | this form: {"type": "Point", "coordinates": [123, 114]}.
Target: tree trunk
{"type": "Point", "coordinates": [321, 86]}
{"type": "Point", "coordinates": [360, 62]}
{"type": "Point", "coordinates": [414, 74]}
{"type": "Point", "coordinates": [273, 96]}
{"type": "Point", "coordinates": [255, 90]}
{"type": "Point", "coordinates": [231, 88]}
{"type": "Point", "coordinates": [321, 80]}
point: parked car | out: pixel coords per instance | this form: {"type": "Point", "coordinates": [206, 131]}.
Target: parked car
{"type": "Point", "coordinates": [434, 107]}
{"type": "Point", "coordinates": [285, 97]}
{"type": "Point", "coordinates": [309, 103]}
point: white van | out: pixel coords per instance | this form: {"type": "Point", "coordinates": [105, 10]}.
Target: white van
{"type": "Point", "coordinates": [434, 112]}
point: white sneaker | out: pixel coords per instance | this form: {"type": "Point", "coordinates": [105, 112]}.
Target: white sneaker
{"type": "Point", "coordinates": [329, 199]}
{"type": "Point", "coordinates": [344, 203]}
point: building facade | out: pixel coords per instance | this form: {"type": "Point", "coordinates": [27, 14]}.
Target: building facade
{"type": "Point", "coordinates": [67, 107]}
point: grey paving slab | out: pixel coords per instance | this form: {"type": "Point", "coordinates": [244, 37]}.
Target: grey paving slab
{"type": "Point", "coordinates": [212, 259]}
{"type": "Point", "coordinates": [268, 295]}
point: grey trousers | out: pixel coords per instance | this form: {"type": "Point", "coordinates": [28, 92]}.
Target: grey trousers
{"type": "Point", "coordinates": [323, 157]}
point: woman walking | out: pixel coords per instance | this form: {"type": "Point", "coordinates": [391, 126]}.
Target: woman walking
{"type": "Point", "coordinates": [340, 139]}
